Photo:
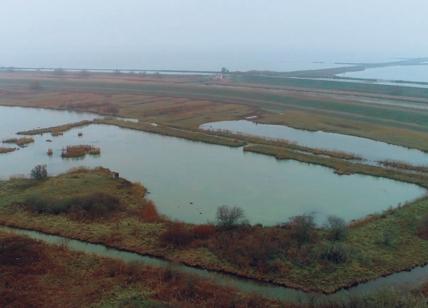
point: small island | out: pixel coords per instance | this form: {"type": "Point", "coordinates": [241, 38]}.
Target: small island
{"type": "Point", "coordinates": [6, 150]}
{"type": "Point", "coordinates": [79, 151]}
{"type": "Point", "coordinates": [19, 141]}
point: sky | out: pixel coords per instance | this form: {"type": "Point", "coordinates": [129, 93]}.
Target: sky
{"type": "Point", "coordinates": [208, 34]}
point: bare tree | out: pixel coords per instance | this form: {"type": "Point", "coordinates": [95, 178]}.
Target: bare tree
{"type": "Point", "coordinates": [228, 217]}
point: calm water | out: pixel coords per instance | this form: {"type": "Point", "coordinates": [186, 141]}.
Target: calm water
{"type": "Point", "coordinates": [190, 180]}
{"type": "Point", "coordinates": [368, 149]}
{"type": "Point", "coordinates": [14, 119]}
{"type": "Point", "coordinates": [403, 280]}
{"type": "Point", "coordinates": [418, 73]}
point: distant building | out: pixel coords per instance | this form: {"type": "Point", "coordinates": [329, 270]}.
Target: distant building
{"type": "Point", "coordinates": [219, 76]}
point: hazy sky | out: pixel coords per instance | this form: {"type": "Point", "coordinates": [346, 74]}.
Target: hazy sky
{"type": "Point", "coordinates": [207, 33]}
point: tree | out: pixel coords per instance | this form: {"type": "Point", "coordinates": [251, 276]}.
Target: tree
{"type": "Point", "coordinates": [337, 229]}
{"type": "Point", "coordinates": [39, 172]}
{"type": "Point", "coordinates": [224, 70]}
{"type": "Point", "coordinates": [229, 217]}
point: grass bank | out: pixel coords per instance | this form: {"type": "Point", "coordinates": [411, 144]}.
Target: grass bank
{"type": "Point", "coordinates": [377, 246]}
{"type": "Point", "coordinates": [40, 275]}
{"type": "Point", "coordinates": [341, 167]}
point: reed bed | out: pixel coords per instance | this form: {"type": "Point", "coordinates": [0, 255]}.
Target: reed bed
{"type": "Point", "coordinates": [78, 151]}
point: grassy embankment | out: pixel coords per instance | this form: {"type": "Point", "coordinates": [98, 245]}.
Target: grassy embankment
{"type": "Point", "coordinates": [343, 167]}
{"type": "Point", "coordinates": [56, 273]}
{"type": "Point", "coordinates": [377, 246]}
{"type": "Point", "coordinates": [40, 275]}
{"type": "Point", "coordinates": [221, 137]}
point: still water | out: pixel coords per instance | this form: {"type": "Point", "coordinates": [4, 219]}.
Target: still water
{"type": "Point", "coordinates": [415, 73]}
{"type": "Point", "coordinates": [189, 180]}
{"type": "Point", "coordinates": [368, 149]}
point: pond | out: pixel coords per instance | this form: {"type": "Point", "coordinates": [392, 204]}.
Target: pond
{"type": "Point", "coordinates": [368, 149]}
{"type": "Point", "coordinates": [189, 180]}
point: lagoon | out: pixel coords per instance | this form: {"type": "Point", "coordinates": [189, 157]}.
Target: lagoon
{"type": "Point", "coordinates": [189, 180]}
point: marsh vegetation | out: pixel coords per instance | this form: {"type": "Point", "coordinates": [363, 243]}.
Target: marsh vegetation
{"type": "Point", "coordinates": [19, 141]}
{"type": "Point", "coordinates": [79, 151]}
{"type": "Point", "coordinates": [297, 253]}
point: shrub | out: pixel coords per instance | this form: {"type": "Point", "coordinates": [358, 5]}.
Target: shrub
{"type": "Point", "coordinates": [258, 248]}
{"type": "Point", "coordinates": [422, 228]}
{"type": "Point", "coordinates": [39, 172]}
{"type": "Point", "coordinates": [337, 228]}
{"type": "Point", "coordinates": [42, 205]}
{"type": "Point", "coordinates": [177, 234]}
{"type": "Point", "coordinates": [94, 205]}
{"type": "Point", "coordinates": [148, 212]}
{"type": "Point", "coordinates": [389, 238]}
{"type": "Point", "coordinates": [302, 229]}
{"type": "Point", "coordinates": [18, 251]}
{"type": "Point", "coordinates": [334, 252]}
{"type": "Point", "coordinates": [203, 231]}
{"type": "Point", "coordinates": [229, 217]}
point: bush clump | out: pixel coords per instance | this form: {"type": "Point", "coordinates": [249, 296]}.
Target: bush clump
{"type": "Point", "coordinates": [148, 212]}
{"type": "Point", "coordinates": [337, 229]}
{"type": "Point", "coordinates": [203, 232]}
{"type": "Point", "coordinates": [39, 172]}
{"type": "Point", "coordinates": [90, 206]}
{"type": "Point", "coordinates": [334, 252]}
{"type": "Point", "coordinates": [177, 235]}
{"type": "Point", "coordinates": [302, 229]}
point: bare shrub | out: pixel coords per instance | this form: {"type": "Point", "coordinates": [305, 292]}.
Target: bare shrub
{"type": "Point", "coordinates": [177, 235]}
{"type": "Point", "coordinates": [148, 212]}
{"type": "Point", "coordinates": [203, 232]}
{"type": "Point", "coordinates": [302, 229]}
{"type": "Point", "coordinates": [337, 228]}
{"type": "Point", "coordinates": [229, 217]}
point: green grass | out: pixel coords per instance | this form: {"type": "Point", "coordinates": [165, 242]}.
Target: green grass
{"type": "Point", "coordinates": [399, 91]}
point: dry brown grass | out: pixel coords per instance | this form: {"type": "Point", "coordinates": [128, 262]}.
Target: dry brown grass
{"type": "Point", "coordinates": [19, 141]}
{"type": "Point", "coordinates": [77, 151]}
{"type": "Point", "coordinates": [38, 275]}
{"type": "Point", "coordinates": [4, 150]}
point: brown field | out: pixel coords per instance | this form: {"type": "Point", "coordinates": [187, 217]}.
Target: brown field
{"type": "Point", "coordinates": [188, 101]}
{"type": "Point", "coordinates": [40, 275]}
